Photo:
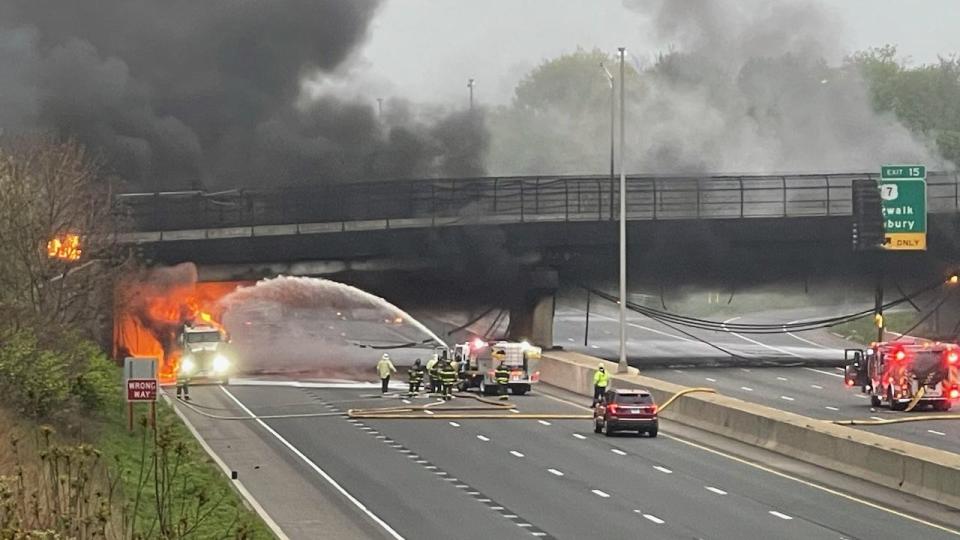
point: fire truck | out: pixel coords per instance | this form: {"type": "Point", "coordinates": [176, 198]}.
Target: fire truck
{"type": "Point", "coordinates": [905, 375]}
{"type": "Point", "coordinates": [478, 361]}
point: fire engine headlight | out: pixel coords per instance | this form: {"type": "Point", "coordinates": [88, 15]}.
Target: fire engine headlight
{"type": "Point", "coordinates": [221, 363]}
{"type": "Point", "coordinates": [187, 366]}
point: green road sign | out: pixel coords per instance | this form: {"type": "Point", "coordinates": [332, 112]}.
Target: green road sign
{"type": "Point", "coordinates": [903, 191]}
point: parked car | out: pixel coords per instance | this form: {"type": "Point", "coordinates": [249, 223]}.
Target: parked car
{"type": "Point", "coordinates": [624, 409]}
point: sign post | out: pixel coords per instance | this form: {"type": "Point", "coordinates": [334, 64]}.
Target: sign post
{"type": "Point", "coordinates": [140, 381]}
{"type": "Point", "coordinates": [903, 191]}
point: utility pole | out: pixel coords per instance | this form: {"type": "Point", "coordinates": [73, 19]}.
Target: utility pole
{"type": "Point", "coordinates": [622, 366]}
{"type": "Point", "coordinates": [470, 83]}
{"type": "Point", "coordinates": [613, 122]}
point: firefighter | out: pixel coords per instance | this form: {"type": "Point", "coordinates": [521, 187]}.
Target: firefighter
{"type": "Point", "coordinates": [502, 376]}
{"type": "Point", "coordinates": [415, 376]}
{"type": "Point", "coordinates": [433, 373]}
{"type": "Point", "coordinates": [384, 369]}
{"type": "Point", "coordinates": [183, 387]}
{"type": "Point", "coordinates": [448, 379]}
{"type": "Point", "coordinates": [600, 381]}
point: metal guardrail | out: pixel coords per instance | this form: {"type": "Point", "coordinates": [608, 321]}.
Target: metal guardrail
{"type": "Point", "coordinates": [519, 200]}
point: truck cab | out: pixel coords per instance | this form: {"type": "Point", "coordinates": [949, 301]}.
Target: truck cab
{"type": "Point", "coordinates": [203, 354]}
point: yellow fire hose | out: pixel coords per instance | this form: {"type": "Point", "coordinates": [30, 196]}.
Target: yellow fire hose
{"type": "Point", "coordinates": [454, 413]}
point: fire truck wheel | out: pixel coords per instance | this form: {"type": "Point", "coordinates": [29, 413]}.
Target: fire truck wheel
{"type": "Point", "coordinates": [874, 401]}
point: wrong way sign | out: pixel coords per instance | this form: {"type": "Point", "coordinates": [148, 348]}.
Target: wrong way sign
{"type": "Point", "coordinates": [142, 389]}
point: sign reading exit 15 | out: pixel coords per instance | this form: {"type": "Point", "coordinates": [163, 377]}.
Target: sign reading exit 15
{"type": "Point", "coordinates": [903, 190]}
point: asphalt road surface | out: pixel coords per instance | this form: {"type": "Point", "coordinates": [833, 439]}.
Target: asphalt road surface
{"type": "Point", "coordinates": [330, 476]}
{"type": "Point", "coordinates": [817, 392]}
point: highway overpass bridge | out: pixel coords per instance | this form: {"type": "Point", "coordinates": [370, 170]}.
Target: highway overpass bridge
{"type": "Point", "coordinates": [516, 232]}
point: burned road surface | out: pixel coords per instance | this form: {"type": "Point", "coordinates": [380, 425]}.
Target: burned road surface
{"type": "Point", "coordinates": [318, 472]}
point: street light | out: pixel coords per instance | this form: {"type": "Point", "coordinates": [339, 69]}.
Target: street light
{"type": "Point", "coordinates": [613, 102]}
{"type": "Point", "coordinates": [622, 367]}
{"type": "Point", "coordinates": [470, 83]}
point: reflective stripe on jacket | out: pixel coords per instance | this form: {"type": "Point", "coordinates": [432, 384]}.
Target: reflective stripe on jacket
{"type": "Point", "coordinates": [502, 376]}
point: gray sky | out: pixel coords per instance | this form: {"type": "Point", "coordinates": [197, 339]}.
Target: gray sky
{"type": "Point", "coordinates": [426, 50]}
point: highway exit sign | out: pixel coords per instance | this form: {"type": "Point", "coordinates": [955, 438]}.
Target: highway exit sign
{"type": "Point", "coordinates": [903, 193]}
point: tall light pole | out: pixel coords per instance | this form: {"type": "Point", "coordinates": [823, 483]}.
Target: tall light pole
{"type": "Point", "coordinates": [613, 122]}
{"type": "Point", "coordinates": [470, 83]}
{"type": "Point", "coordinates": [622, 367]}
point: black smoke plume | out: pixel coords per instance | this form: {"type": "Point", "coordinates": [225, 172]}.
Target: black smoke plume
{"type": "Point", "coordinates": [185, 93]}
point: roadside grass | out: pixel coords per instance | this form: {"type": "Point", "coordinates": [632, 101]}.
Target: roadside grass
{"type": "Point", "coordinates": [169, 481]}
{"type": "Point", "coordinates": [145, 484]}
{"type": "Point", "coordinates": [865, 331]}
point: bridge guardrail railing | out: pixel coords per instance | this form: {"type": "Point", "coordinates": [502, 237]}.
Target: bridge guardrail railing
{"type": "Point", "coordinates": [519, 199]}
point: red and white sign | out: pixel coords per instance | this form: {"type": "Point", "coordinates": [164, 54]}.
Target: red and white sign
{"type": "Point", "coordinates": [142, 389]}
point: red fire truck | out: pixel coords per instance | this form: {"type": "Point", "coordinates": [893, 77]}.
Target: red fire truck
{"type": "Point", "coordinates": [905, 375]}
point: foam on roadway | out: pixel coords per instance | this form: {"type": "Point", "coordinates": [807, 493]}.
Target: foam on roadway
{"type": "Point", "coordinates": [331, 476]}
{"type": "Point", "coordinates": [817, 392]}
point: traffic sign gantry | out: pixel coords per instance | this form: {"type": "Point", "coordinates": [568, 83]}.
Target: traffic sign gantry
{"type": "Point", "coordinates": [903, 190]}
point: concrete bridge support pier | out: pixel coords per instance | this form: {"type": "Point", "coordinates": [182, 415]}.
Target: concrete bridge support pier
{"type": "Point", "coordinates": [532, 317]}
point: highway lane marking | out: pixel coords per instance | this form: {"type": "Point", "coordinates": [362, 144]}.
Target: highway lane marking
{"type": "Point", "coordinates": [816, 386]}
{"type": "Point", "coordinates": [431, 467]}
{"type": "Point", "coordinates": [745, 370]}
{"type": "Point", "coordinates": [599, 493]}
{"type": "Point", "coordinates": [524, 525]}
{"type": "Point", "coordinates": [711, 379]}
{"type": "Point", "coordinates": [454, 424]}
{"type": "Point", "coordinates": [579, 436]}
{"type": "Point", "coordinates": [618, 451]}
{"type": "Point", "coordinates": [462, 486]}
{"type": "Point", "coordinates": [678, 371]}
{"type": "Point", "coordinates": [514, 411]}
{"type": "Point", "coordinates": [860, 396]}
{"type": "Point", "coordinates": [654, 519]}
{"type": "Point", "coordinates": [517, 454]}
{"type": "Point", "coordinates": [555, 472]}
{"type": "Point", "coordinates": [876, 418]}
{"type": "Point", "coordinates": [715, 490]}
{"type": "Point", "coordinates": [787, 398]}
{"type": "Point", "coordinates": [648, 329]}
{"type": "Point", "coordinates": [746, 388]}
{"type": "Point", "coordinates": [664, 470]}
{"type": "Point", "coordinates": [316, 468]}
{"type": "Point", "coordinates": [496, 508]}
{"type": "Point", "coordinates": [439, 473]}
{"type": "Point", "coordinates": [935, 432]}
{"type": "Point", "coordinates": [755, 342]}
{"type": "Point", "coordinates": [781, 378]}
{"type": "Point", "coordinates": [483, 500]}
{"type": "Point", "coordinates": [780, 515]}
{"type": "Point", "coordinates": [822, 372]}
{"type": "Point", "coordinates": [814, 343]}
{"type": "Point", "coordinates": [484, 439]}
{"type": "Point", "coordinates": [786, 476]}
{"type": "Point", "coordinates": [511, 516]}
{"type": "Point", "coordinates": [539, 533]}
{"type": "Point", "coordinates": [473, 493]}
{"type": "Point", "coordinates": [428, 412]}
{"type": "Point", "coordinates": [421, 461]}
{"type": "Point", "coordinates": [829, 408]}
{"type": "Point", "coordinates": [405, 401]}
{"type": "Point", "coordinates": [544, 422]}
{"type": "Point", "coordinates": [594, 347]}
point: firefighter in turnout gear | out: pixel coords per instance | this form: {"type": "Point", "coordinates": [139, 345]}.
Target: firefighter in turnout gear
{"type": "Point", "coordinates": [448, 379]}
{"type": "Point", "coordinates": [502, 376]}
{"type": "Point", "coordinates": [415, 376]}
{"type": "Point", "coordinates": [433, 373]}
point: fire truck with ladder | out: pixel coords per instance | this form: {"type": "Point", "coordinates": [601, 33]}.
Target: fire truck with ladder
{"type": "Point", "coordinates": [478, 361]}
{"type": "Point", "coordinates": [905, 375]}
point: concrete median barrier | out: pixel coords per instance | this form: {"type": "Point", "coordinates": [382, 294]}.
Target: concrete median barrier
{"type": "Point", "coordinates": [919, 470]}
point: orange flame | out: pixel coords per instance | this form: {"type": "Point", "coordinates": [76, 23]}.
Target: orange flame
{"type": "Point", "coordinates": [65, 247]}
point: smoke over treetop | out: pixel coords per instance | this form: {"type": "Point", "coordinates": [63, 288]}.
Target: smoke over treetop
{"type": "Point", "coordinates": [181, 93]}
{"type": "Point", "coordinates": [749, 86]}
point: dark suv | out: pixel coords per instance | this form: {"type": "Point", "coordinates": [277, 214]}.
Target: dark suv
{"type": "Point", "coordinates": [623, 409]}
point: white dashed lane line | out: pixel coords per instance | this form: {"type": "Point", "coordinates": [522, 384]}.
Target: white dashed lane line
{"type": "Point", "coordinates": [780, 515]}
{"type": "Point", "coordinates": [405, 401]}
{"type": "Point", "coordinates": [816, 387]}
{"type": "Point", "coordinates": [718, 491]}
{"type": "Point", "coordinates": [653, 518]}
{"type": "Point", "coordinates": [787, 398]}
{"type": "Point", "coordinates": [544, 422]}
{"type": "Point", "coordinates": [822, 372]}
{"type": "Point", "coordinates": [935, 432]}
{"type": "Point", "coordinates": [618, 451]}
{"type": "Point", "coordinates": [781, 378]}
{"type": "Point", "coordinates": [555, 472]}
{"type": "Point", "coordinates": [664, 470]}
{"type": "Point", "coordinates": [515, 453]}
{"type": "Point", "coordinates": [484, 439]}
{"type": "Point", "coordinates": [746, 388]}
{"type": "Point", "coordinates": [599, 493]}
{"type": "Point", "coordinates": [454, 424]}
{"type": "Point", "coordinates": [711, 379]}
{"type": "Point", "coordinates": [428, 412]}
{"type": "Point", "coordinates": [579, 436]}
{"type": "Point", "coordinates": [829, 408]}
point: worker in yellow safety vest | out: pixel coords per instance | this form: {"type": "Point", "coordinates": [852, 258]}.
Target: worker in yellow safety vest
{"type": "Point", "coordinates": [600, 381]}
